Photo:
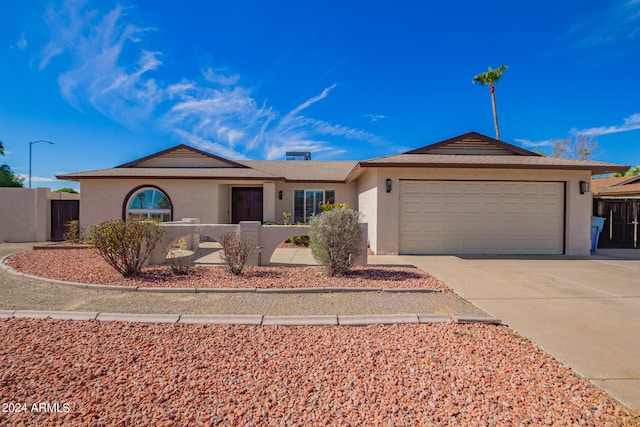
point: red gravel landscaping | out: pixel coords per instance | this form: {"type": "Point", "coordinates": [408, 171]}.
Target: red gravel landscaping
{"type": "Point", "coordinates": [121, 373]}
{"type": "Point", "coordinates": [87, 266]}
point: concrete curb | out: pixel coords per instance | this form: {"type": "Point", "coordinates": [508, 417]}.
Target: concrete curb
{"type": "Point", "coordinates": [223, 319]}
{"type": "Point", "coordinates": [257, 319]}
{"type": "Point", "coordinates": [94, 286]}
{"type": "Point", "coordinates": [385, 319]}
{"type": "Point", "coordinates": [463, 318]}
{"type": "Point", "coordinates": [300, 320]}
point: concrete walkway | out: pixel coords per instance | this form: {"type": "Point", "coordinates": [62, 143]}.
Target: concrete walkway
{"type": "Point", "coordinates": [585, 312]}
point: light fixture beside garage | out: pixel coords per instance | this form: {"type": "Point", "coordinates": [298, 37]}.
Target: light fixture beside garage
{"type": "Point", "coordinates": [389, 185]}
{"type": "Point", "coordinates": [584, 187]}
{"type": "Point", "coordinates": [280, 194]}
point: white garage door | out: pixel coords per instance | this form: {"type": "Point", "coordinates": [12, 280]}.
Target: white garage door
{"type": "Point", "coordinates": [481, 217]}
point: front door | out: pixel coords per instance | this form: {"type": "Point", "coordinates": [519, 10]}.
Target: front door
{"type": "Point", "coordinates": [246, 204]}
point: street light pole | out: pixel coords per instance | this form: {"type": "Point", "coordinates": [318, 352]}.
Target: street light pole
{"type": "Point", "coordinates": [30, 151]}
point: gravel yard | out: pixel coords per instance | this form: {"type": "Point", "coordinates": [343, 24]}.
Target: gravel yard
{"type": "Point", "coordinates": [120, 373]}
{"type": "Point", "coordinates": [87, 266]}
{"type": "Point", "coordinates": [55, 372]}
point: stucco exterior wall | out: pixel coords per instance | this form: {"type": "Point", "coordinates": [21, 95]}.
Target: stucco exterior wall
{"type": "Point", "coordinates": [368, 204]}
{"type": "Point", "coordinates": [103, 199]}
{"type": "Point", "coordinates": [577, 214]}
{"type": "Point", "coordinates": [25, 213]}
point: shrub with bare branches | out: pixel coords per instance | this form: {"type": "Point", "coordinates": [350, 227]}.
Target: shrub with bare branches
{"type": "Point", "coordinates": [236, 250]}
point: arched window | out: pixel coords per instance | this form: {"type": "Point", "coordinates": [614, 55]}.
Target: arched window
{"type": "Point", "coordinates": [148, 202]}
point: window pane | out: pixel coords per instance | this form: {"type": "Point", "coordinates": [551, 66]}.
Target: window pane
{"type": "Point", "coordinates": [298, 206]}
{"type": "Point", "coordinates": [330, 196]}
{"type": "Point", "coordinates": [150, 203]}
{"type": "Point", "coordinates": [313, 200]}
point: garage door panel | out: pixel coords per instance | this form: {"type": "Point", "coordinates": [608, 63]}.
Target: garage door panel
{"type": "Point", "coordinates": [481, 217]}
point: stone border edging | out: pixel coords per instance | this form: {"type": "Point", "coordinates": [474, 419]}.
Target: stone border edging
{"type": "Point", "coordinates": [327, 289]}
{"type": "Point", "coordinates": [258, 320]}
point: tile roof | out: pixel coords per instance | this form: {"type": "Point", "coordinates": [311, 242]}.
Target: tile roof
{"type": "Point", "coordinates": [305, 170]}
{"type": "Point", "coordinates": [273, 170]}
{"type": "Point", "coordinates": [173, 173]}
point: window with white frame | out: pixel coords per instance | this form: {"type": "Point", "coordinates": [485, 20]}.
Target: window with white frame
{"type": "Point", "coordinates": [306, 203]}
{"type": "Point", "coordinates": [149, 203]}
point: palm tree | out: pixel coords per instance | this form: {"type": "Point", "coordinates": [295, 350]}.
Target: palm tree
{"type": "Point", "coordinates": [489, 78]}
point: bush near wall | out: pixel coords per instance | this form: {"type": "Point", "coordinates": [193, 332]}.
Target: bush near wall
{"type": "Point", "coordinates": [335, 237]}
{"type": "Point", "coordinates": [126, 246]}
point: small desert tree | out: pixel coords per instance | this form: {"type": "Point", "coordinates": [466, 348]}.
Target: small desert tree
{"type": "Point", "coordinates": [580, 147]}
{"type": "Point", "coordinates": [126, 245]}
{"type": "Point", "coordinates": [236, 250]}
{"type": "Point", "coordinates": [335, 238]}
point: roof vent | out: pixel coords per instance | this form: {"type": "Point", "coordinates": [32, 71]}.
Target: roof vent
{"type": "Point", "coordinates": [298, 155]}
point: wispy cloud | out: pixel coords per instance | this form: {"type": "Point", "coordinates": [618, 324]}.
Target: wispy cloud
{"type": "Point", "coordinates": [612, 22]}
{"type": "Point", "coordinates": [22, 41]}
{"type": "Point", "coordinates": [36, 178]}
{"type": "Point", "coordinates": [113, 70]}
{"type": "Point", "coordinates": [533, 144]}
{"type": "Point", "coordinates": [375, 117]}
{"type": "Point", "coordinates": [629, 124]}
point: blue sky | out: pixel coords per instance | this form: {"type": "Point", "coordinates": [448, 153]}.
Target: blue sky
{"type": "Point", "coordinates": [109, 82]}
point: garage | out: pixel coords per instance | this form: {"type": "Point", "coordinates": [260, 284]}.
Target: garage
{"type": "Point", "coordinates": [481, 217]}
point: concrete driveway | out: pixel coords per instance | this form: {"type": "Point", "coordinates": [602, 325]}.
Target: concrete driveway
{"type": "Point", "coordinates": [585, 312]}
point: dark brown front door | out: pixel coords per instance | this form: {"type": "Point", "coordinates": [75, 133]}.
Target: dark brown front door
{"type": "Point", "coordinates": [63, 211]}
{"type": "Point", "coordinates": [246, 204]}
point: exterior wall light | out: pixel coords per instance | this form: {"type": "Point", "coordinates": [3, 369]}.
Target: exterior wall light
{"type": "Point", "coordinates": [280, 194]}
{"type": "Point", "coordinates": [389, 185]}
{"type": "Point", "coordinates": [584, 187]}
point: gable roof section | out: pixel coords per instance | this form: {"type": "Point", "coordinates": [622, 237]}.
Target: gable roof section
{"type": "Point", "coordinates": [473, 143]}
{"type": "Point", "coordinates": [182, 156]}
{"type": "Point", "coordinates": [616, 186]}
{"type": "Point", "coordinates": [474, 150]}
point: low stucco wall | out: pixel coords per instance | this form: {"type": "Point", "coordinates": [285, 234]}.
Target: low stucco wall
{"type": "Point", "coordinates": [25, 213]}
{"type": "Point", "coordinates": [267, 238]}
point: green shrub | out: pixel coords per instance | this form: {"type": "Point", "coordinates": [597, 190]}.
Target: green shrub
{"type": "Point", "coordinates": [331, 206]}
{"type": "Point", "coordinates": [335, 238]}
{"type": "Point", "coordinates": [126, 245]}
{"type": "Point", "coordinates": [236, 250]}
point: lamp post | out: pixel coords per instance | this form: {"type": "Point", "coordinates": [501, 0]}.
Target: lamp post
{"type": "Point", "coordinates": [30, 151]}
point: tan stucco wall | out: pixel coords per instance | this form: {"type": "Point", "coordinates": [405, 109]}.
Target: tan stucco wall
{"type": "Point", "coordinates": [102, 199]}
{"type": "Point", "coordinates": [25, 213]}
{"type": "Point", "coordinates": [368, 204]}
{"type": "Point", "coordinates": [207, 200]}
{"type": "Point", "coordinates": [345, 193]}
{"type": "Point", "coordinates": [577, 216]}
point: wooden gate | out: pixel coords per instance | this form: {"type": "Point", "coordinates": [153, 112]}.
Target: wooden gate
{"type": "Point", "coordinates": [63, 211]}
{"type": "Point", "coordinates": [621, 222]}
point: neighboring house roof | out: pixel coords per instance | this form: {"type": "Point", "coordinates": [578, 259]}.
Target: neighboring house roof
{"type": "Point", "coordinates": [470, 150]}
{"type": "Point", "coordinates": [616, 186]}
